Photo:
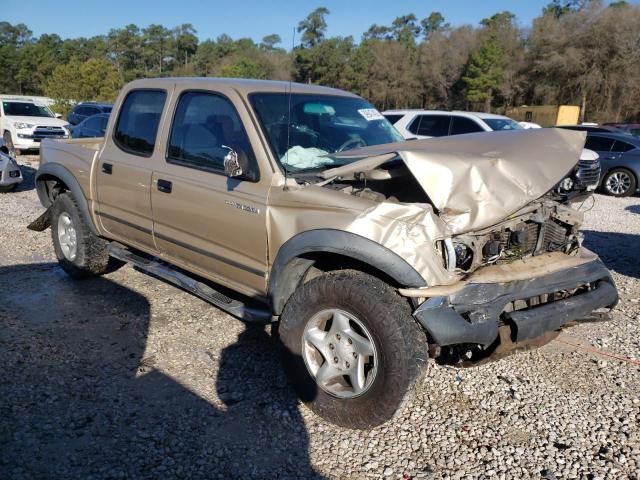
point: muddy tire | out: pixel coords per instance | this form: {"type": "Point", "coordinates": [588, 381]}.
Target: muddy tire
{"type": "Point", "coordinates": [619, 182]}
{"type": "Point", "coordinates": [80, 253]}
{"type": "Point", "coordinates": [351, 348]}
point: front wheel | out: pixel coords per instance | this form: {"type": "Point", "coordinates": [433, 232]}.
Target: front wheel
{"type": "Point", "coordinates": [351, 348]}
{"type": "Point", "coordinates": [8, 188]}
{"type": "Point", "coordinates": [619, 182]}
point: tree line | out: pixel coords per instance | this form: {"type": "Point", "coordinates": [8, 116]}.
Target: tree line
{"type": "Point", "coordinates": [580, 52]}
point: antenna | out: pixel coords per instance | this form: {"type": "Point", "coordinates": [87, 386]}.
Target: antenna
{"type": "Point", "coordinates": [293, 45]}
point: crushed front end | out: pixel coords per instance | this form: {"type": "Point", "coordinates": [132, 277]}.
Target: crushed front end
{"type": "Point", "coordinates": [522, 281]}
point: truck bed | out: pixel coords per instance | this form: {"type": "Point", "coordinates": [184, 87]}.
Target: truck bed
{"type": "Point", "coordinates": [76, 155]}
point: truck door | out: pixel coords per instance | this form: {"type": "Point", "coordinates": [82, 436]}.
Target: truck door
{"type": "Point", "coordinates": [125, 169]}
{"type": "Point", "coordinates": [203, 220]}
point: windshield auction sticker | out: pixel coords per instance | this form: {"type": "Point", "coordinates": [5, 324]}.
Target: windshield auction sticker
{"type": "Point", "coordinates": [370, 114]}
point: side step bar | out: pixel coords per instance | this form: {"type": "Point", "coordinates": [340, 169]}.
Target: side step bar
{"type": "Point", "coordinates": [219, 299]}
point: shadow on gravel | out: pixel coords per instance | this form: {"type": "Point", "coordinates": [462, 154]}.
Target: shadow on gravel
{"type": "Point", "coordinates": [81, 400]}
{"type": "Point", "coordinates": [619, 251]}
{"type": "Point", "coordinates": [28, 175]}
{"type": "Point", "coordinates": [633, 208]}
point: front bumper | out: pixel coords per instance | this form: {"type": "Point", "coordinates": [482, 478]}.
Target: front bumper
{"type": "Point", "coordinates": [473, 314]}
{"type": "Point", "coordinates": [10, 175]}
{"type": "Point", "coordinates": [31, 141]}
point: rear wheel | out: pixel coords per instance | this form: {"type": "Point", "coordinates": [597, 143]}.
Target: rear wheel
{"type": "Point", "coordinates": [79, 252]}
{"type": "Point", "coordinates": [351, 348]}
{"type": "Point", "coordinates": [619, 182]}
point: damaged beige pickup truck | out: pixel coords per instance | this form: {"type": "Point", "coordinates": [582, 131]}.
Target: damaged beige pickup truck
{"type": "Point", "coordinates": [301, 204]}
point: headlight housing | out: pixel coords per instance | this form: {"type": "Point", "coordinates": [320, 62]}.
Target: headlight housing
{"type": "Point", "coordinates": [21, 125]}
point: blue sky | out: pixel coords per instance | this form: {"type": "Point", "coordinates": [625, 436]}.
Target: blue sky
{"type": "Point", "coordinates": [246, 18]}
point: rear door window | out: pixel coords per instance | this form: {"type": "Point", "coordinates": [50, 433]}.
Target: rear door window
{"type": "Point", "coordinates": [431, 125]}
{"type": "Point", "coordinates": [599, 144]}
{"type": "Point", "coordinates": [461, 125]}
{"type": "Point", "coordinates": [621, 147]}
{"type": "Point", "coordinates": [138, 121]}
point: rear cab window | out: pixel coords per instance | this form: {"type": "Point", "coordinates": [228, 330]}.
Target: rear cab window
{"type": "Point", "coordinates": [599, 144]}
{"type": "Point", "coordinates": [137, 126]}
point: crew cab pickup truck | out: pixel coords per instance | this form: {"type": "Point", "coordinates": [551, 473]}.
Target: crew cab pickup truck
{"type": "Point", "coordinates": [302, 205]}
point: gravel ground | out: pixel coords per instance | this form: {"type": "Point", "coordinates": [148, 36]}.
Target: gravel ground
{"type": "Point", "coordinates": [127, 377]}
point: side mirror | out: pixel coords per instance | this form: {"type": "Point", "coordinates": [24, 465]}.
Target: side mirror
{"type": "Point", "coordinates": [232, 167]}
{"type": "Point", "coordinates": [58, 115]}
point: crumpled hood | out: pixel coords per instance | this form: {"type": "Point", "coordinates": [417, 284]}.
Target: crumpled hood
{"type": "Point", "coordinates": [477, 180]}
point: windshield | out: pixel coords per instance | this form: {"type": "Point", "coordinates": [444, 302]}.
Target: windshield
{"type": "Point", "coordinates": [502, 124]}
{"type": "Point", "coordinates": [320, 125]}
{"type": "Point", "coordinates": [24, 109]}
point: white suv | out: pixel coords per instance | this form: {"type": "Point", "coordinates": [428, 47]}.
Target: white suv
{"type": "Point", "coordinates": [24, 123]}
{"type": "Point", "coordinates": [434, 123]}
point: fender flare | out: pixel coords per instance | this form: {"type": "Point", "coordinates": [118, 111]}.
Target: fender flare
{"type": "Point", "coordinates": [58, 171]}
{"type": "Point", "coordinates": [289, 267]}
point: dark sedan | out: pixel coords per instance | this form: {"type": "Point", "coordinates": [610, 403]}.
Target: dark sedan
{"type": "Point", "coordinates": [619, 160]}
{"type": "Point", "coordinates": [85, 110]}
{"type": "Point", "coordinates": [93, 126]}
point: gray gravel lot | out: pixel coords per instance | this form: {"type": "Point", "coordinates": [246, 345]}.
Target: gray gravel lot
{"type": "Point", "coordinates": [128, 377]}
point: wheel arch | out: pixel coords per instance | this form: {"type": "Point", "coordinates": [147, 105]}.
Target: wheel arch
{"type": "Point", "coordinates": [329, 249]}
{"type": "Point", "coordinates": [51, 174]}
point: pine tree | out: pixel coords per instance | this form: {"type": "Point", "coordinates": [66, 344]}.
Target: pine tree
{"type": "Point", "coordinates": [484, 72]}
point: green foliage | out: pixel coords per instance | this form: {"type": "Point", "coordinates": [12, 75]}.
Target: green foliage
{"type": "Point", "coordinates": [405, 29]}
{"type": "Point", "coordinates": [576, 52]}
{"type": "Point", "coordinates": [270, 41]}
{"type": "Point", "coordinates": [433, 23]}
{"type": "Point", "coordinates": [485, 71]}
{"type": "Point", "coordinates": [243, 68]}
{"type": "Point", "coordinates": [314, 27]}
{"type": "Point", "coordinates": [95, 79]}
{"type": "Point", "coordinates": [558, 8]}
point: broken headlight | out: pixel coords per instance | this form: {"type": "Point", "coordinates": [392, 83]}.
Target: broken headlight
{"type": "Point", "coordinates": [464, 256]}
{"type": "Point", "coordinates": [566, 185]}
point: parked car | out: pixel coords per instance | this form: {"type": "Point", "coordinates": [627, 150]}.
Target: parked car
{"type": "Point", "coordinates": [310, 209]}
{"type": "Point", "coordinates": [590, 128]}
{"type": "Point", "coordinates": [528, 125]}
{"type": "Point", "coordinates": [10, 173]}
{"type": "Point", "coordinates": [632, 128]}
{"type": "Point", "coordinates": [25, 123]}
{"type": "Point", "coordinates": [93, 126]}
{"type": "Point", "coordinates": [434, 123]}
{"type": "Point", "coordinates": [619, 160]}
{"type": "Point", "coordinates": [87, 109]}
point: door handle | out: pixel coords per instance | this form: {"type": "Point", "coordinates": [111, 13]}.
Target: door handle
{"type": "Point", "coordinates": [164, 185]}
{"type": "Point", "coordinates": [107, 168]}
